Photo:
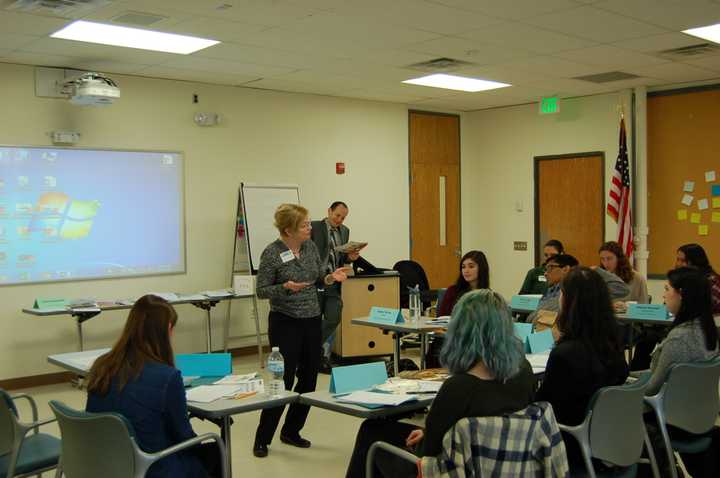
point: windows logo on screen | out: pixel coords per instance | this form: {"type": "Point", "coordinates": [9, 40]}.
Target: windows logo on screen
{"type": "Point", "coordinates": [59, 216]}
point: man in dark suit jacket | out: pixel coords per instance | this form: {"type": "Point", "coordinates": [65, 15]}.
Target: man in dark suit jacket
{"type": "Point", "coordinates": [326, 234]}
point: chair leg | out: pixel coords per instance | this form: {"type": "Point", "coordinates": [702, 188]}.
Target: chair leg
{"type": "Point", "coordinates": [668, 448]}
{"type": "Point", "coordinates": [651, 457]}
{"type": "Point", "coordinates": [58, 470]}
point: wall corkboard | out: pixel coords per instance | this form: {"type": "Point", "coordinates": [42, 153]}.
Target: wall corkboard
{"type": "Point", "coordinates": [683, 144]}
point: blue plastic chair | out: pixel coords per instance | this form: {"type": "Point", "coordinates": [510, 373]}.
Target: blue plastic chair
{"type": "Point", "coordinates": [614, 431]}
{"type": "Point", "coordinates": [688, 400]}
{"type": "Point", "coordinates": [103, 445]}
{"type": "Point", "coordinates": [23, 454]}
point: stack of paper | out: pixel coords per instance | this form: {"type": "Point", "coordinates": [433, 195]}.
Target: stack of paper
{"type": "Point", "coordinates": [236, 379]}
{"type": "Point", "coordinates": [219, 293]}
{"type": "Point", "coordinates": [376, 398]}
{"type": "Point", "coordinates": [210, 393]}
{"type": "Point", "coordinates": [538, 362]}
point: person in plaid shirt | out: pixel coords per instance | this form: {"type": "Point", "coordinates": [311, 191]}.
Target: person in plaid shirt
{"type": "Point", "coordinates": [490, 376]}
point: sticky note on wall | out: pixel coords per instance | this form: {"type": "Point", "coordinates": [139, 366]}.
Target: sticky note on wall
{"type": "Point", "coordinates": [709, 176]}
{"type": "Point", "coordinates": [682, 214]}
{"type": "Point", "coordinates": [689, 186]}
{"type": "Point", "coordinates": [702, 204]}
{"type": "Point", "coordinates": [716, 190]}
{"type": "Point", "coordinates": [687, 199]}
{"type": "Point", "coordinates": [715, 217]}
{"type": "Point", "coordinates": [716, 202]}
{"type": "Point", "coordinates": [695, 218]}
{"type": "Point", "coordinates": [703, 229]}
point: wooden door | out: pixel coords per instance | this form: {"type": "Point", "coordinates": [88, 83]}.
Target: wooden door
{"type": "Point", "coordinates": [570, 204]}
{"type": "Point", "coordinates": [435, 195]}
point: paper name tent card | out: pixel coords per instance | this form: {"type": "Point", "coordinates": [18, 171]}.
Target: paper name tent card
{"type": "Point", "coordinates": [357, 377]}
{"type": "Point", "coordinates": [541, 341]}
{"type": "Point", "coordinates": [525, 302]}
{"type": "Point", "coordinates": [49, 303]}
{"type": "Point", "coordinates": [204, 365]}
{"type": "Point", "coordinates": [647, 311]}
{"type": "Point", "coordinates": [384, 315]}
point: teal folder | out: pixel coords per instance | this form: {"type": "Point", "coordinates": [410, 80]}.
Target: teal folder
{"type": "Point", "coordinates": [357, 377]}
{"type": "Point", "coordinates": [647, 311]}
{"type": "Point", "coordinates": [523, 331]}
{"type": "Point", "coordinates": [541, 341]}
{"type": "Point", "coordinates": [204, 365]}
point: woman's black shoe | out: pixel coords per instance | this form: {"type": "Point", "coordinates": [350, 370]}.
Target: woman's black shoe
{"type": "Point", "coordinates": [297, 441]}
{"type": "Point", "coordinates": [260, 451]}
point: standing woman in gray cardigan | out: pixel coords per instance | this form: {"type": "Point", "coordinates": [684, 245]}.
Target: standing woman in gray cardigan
{"type": "Point", "coordinates": [289, 274]}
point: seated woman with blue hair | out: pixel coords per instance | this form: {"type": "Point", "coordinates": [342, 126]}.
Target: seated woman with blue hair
{"type": "Point", "coordinates": [489, 376]}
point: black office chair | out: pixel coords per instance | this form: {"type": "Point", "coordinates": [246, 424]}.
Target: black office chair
{"type": "Point", "coordinates": [412, 274]}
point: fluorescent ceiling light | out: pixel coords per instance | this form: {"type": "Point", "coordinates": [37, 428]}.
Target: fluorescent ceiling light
{"type": "Point", "coordinates": [710, 32]}
{"type": "Point", "coordinates": [452, 82]}
{"type": "Point", "coordinates": [103, 34]}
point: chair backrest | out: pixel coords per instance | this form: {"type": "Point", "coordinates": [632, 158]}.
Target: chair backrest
{"type": "Point", "coordinates": [8, 416]}
{"type": "Point", "coordinates": [95, 444]}
{"type": "Point", "coordinates": [440, 296]}
{"type": "Point", "coordinates": [691, 399]}
{"type": "Point", "coordinates": [523, 443]}
{"type": "Point", "coordinates": [617, 429]}
{"type": "Point", "coordinates": [411, 274]}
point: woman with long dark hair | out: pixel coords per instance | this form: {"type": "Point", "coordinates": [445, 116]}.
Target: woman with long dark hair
{"type": "Point", "coordinates": [613, 259]}
{"type": "Point", "coordinates": [474, 274]}
{"type": "Point", "coordinates": [138, 380]}
{"type": "Point", "coordinates": [588, 355]}
{"type": "Point", "coordinates": [693, 255]}
{"type": "Point", "coordinates": [693, 336]}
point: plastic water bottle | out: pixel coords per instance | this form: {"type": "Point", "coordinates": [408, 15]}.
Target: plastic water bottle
{"type": "Point", "coordinates": [414, 303]}
{"type": "Point", "coordinates": [276, 368]}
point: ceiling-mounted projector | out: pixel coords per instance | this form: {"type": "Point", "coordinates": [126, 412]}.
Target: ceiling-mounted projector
{"type": "Point", "coordinates": [91, 89]}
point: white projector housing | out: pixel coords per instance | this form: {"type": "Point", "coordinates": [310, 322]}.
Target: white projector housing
{"type": "Point", "coordinates": [91, 89]}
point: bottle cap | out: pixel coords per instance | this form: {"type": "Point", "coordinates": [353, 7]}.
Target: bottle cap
{"type": "Point", "coordinates": [276, 349]}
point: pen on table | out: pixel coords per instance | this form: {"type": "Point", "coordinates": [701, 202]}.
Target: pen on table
{"type": "Point", "coordinates": [244, 395]}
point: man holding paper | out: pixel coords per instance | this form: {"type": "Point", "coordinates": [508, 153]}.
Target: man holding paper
{"type": "Point", "coordinates": [332, 239]}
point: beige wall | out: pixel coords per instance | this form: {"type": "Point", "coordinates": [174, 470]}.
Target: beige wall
{"type": "Point", "coordinates": [498, 148]}
{"type": "Point", "coordinates": [265, 137]}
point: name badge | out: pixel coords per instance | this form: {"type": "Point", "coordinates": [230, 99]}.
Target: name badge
{"type": "Point", "coordinates": [287, 256]}
{"type": "Point", "coordinates": [542, 279]}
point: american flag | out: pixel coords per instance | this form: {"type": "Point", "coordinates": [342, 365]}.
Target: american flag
{"type": "Point", "coordinates": [619, 196]}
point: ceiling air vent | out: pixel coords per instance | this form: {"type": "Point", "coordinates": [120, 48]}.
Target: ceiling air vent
{"type": "Point", "coordinates": [690, 51]}
{"type": "Point", "coordinates": [440, 64]}
{"type": "Point", "coordinates": [607, 77]}
{"type": "Point", "coordinates": [61, 8]}
{"type": "Point", "coordinates": [138, 19]}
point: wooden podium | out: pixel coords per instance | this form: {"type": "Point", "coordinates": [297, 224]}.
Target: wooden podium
{"type": "Point", "coordinates": [359, 293]}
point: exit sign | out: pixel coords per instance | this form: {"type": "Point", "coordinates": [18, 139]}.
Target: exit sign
{"type": "Point", "coordinates": [549, 105]}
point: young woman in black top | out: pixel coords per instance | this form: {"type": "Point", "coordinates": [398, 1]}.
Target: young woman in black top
{"type": "Point", "coordinates": [490, 376]}
{"type": "Point", "coordinates": [588, 355]}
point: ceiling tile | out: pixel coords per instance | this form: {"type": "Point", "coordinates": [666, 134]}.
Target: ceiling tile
{"type": "Point", "coordinates": [216, 29]}
{"type": "Point", "coordinates": [296, 87]}
{"type": "Point", "coordinates": [194, 75]}
{"type": "Point", "coordinates": [672, 72]}
{"type": "Point", "coordinates": [13, 41]}
{"type": "Point", "coordinates": [259, 12]}
{"type": "Point", "coordinates": [610, 57]}
{"type": "Point", "coordinates": [467, 50]}
{"type": "Point", "coordinates": [553, 67]}
{"type": "Point", "coordinates": [671, 14]}
{"type": "Point", "coordinates": [115, 9]}
{"type": "Point", "coordinates": [709, 63]}
{"type": "Point", "coordinates": [657, 43]}
{"type": "Point", "coordinates": [111, 67]}
{"type": "Point", "coordinates": [95, 52]}
{"type": "Point", "coordinates": [512, 10]}
{"type": "Point", "coordinates": [381, 95]}
{"type": "Point", "coordinates": [39, 59]}
{"type": "Point", "coordinates": [526, 37]}
{"type": "Point", "coordinates": [503, 74]}
{"type": "Point", "coordinates": [224, 66]}
{"type": "Point", "coordinates": [36, 25]}
{"type": "Point", "coordinates": [263, 56]}
{"type": "Point", "coordinates": [595, 24]}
